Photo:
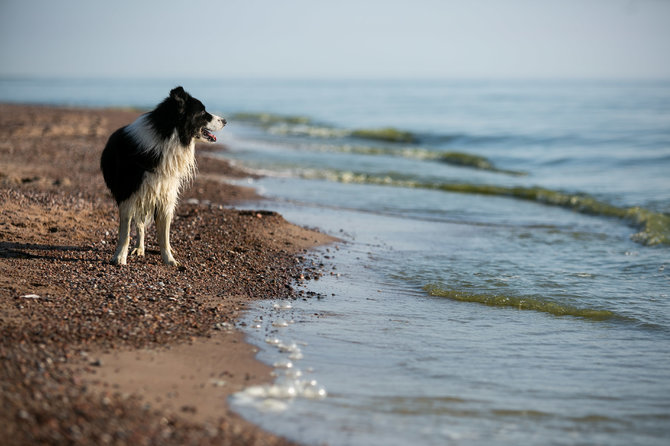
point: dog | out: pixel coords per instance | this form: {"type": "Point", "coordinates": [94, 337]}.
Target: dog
{"type": "Point", "coordinates": [145, 164]}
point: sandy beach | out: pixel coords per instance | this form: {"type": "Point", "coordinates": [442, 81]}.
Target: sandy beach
{"type": "Point", "coordinates": [93, 353]}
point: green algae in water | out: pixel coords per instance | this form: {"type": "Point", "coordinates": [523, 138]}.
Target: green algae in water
{"type": "Point", "coordinates": [579, 202]}
{"type": "Point", "coordinates": [405, 152]}
{"type": "Point", "coordinates": [521, 303]}
{"type": "Point", "coordinates": [453, 158]}
{"type": "Point", "coordinates": [270, 119]}
{"type": "Point", "coordinates": [465, 159]}
{"type": "Point", "coordinates": [313, 131]}
{"type": "Point", "coordinates": [474, 161]}
{"type": "Point", "coordinates": [655, 226]}
{"type": "Point", "coordinates": [389, 134]}
{"type": "Point", "coordinates": [301, 125]}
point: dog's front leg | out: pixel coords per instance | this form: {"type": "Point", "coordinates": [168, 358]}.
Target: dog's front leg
{"type": "Point", "coordinates": [163, 220]}
{"type": "Point", "coordinates": [124, 237]}
{"type": "Point", "coordinates": [139, 246]}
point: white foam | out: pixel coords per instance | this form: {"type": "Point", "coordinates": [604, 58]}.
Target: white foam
{"type": "Point", "coordinates": [283, 364]}
{"type": "Point", "coordinates": [296, 355]}
{"type": "Point", "coordinates": [290, 382]}
{"type": "Point", "coordinates": [276, 397]}
{"type": "Point", "coordinates": [292, 347]}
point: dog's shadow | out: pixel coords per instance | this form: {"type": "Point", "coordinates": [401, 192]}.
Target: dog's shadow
{"type": "Point", "coordinates": [13, 250]}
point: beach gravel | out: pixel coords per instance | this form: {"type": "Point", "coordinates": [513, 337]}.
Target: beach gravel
{"type": "Point", "coordinates": [63, 307]}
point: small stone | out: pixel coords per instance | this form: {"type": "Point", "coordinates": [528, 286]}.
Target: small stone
{"type": "Point", "coordinates": [30, 296]}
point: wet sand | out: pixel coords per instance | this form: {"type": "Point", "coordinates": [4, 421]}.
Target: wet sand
{"type": "Point", "coordinates": [93, 353]}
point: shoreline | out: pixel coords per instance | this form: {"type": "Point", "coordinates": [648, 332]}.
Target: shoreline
{"type": "Point", "coordinates": [98, 354]}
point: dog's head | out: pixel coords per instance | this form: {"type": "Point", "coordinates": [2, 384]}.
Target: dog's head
{"type": "Point", "coordinates": [194, 120]}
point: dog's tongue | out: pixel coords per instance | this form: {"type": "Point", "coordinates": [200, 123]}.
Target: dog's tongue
{"type": "Point", "coordinates": [209, 135]}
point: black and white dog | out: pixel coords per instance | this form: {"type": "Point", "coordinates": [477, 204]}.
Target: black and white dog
{"type": "Point", "coordinates": [146, 163]}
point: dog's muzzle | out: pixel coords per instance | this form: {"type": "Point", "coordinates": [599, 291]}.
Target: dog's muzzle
{"type": "Point", "coordinates": [215, 124]}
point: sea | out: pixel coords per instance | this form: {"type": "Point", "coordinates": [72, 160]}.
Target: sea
{"type": "Point", "coordinates": [502, 269]}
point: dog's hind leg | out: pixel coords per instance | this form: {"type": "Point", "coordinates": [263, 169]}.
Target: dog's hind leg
{"type": "Point", "coordinates": [163, 220]}
{"type": "Point", "coordinates": [124, 236]}
{"type": "Point", "coordinates": [139, 245]}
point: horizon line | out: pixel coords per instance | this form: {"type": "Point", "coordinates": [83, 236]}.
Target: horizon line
{"type": "Point", "coordinates": [313, 78]}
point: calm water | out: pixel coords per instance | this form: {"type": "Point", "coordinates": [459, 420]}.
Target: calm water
{"type": "Point", "coordinates": [505, 271]}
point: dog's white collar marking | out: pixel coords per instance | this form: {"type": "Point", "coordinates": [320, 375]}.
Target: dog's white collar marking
{"type": "Point", "coordinates": [146, 137]}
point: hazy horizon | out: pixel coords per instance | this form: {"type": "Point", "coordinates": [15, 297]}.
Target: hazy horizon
{"type": "Point", "coordinates": [301, 39]}
{"type": "Point", "coordinates": [318, 78]}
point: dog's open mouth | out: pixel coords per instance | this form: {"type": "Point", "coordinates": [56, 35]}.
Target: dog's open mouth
{"type": "Point", "coordinates": [208, 136]}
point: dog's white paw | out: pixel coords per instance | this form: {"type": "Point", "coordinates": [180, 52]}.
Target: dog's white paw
{"type": "Point", "coordinates": [171, 262]}
{"type": "Point", "coordinates": [139, 252]}
{"type": "Point", "coordinates": [118, 261]}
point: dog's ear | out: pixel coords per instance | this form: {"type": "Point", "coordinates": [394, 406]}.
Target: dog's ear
{"type": "Point", "coordinates": [180, 96]}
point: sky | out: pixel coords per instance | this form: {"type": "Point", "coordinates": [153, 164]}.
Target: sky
{"type": "Point", "coordinates": [525, 39]}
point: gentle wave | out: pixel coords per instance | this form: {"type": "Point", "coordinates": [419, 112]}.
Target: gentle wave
{"type": "Point", "coordinates": [269, 118]}
{"type": "Point", "coordinates": [304, 126]}
{"type": "Point", "coordinates": [655, 227]}
{"type": "Point", "coordinates": [521, 303]}
{"type": "Point", "coordinates": [474, 161]}
{"type": "Point", "coordinates": [293, 125]}
{"type": "Point", "coordinates": [298, 125]}
{"type": "Point", "coordinates": [459, 407]}
{"type": "Point", "coordinates": [312, 131]}
{"type": "Point", "coordinates": [388, 134]}
{"type": "Point", "coordinates": [460, 159]}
